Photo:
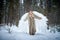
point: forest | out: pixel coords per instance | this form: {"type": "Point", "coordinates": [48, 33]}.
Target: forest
{"type": "Point", "coordinates": [29, 19]}
{"type": "Point", "coordinates": [12, 10]}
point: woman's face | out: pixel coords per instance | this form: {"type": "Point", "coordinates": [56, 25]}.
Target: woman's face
{"type": "Point", "coordinates": [30, 12]}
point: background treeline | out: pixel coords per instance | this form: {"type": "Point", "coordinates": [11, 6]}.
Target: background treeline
{"type": "Point", "coordinates": [12, 10]}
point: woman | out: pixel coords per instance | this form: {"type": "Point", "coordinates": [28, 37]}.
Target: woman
{"type": "Point", "coordinates": [31, 17]}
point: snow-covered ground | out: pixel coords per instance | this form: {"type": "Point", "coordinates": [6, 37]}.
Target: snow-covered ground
{"type": "Point", "coordinates": [22, 31]}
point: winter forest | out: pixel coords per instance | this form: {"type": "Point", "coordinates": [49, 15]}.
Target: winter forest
{"type": "Point", "coordinates": [29, 19]}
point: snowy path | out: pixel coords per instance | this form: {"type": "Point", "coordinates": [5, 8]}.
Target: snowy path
{"type": "Point", "coordinates": [4, 35]}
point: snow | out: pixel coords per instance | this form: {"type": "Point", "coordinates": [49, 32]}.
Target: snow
{"type": "Point", "coordinates": [22, 31]}
{"type": "Point", "coordinates": [4, 35]}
